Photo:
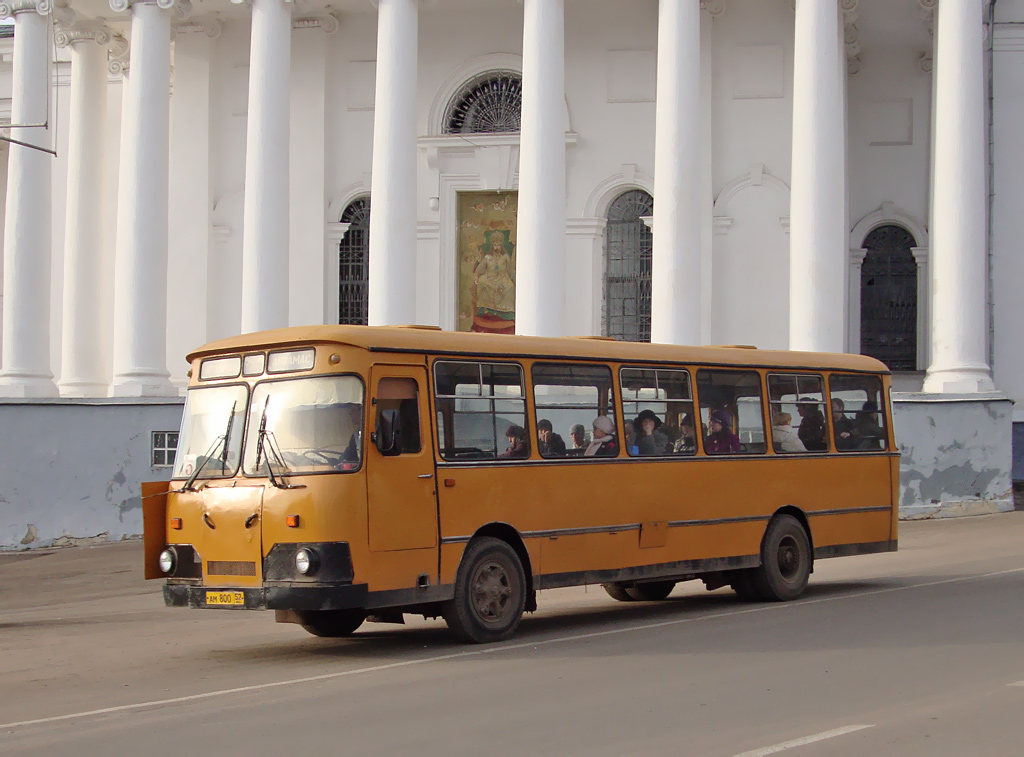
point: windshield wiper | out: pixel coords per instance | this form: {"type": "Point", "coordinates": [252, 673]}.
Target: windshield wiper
{"type": "Point", "coordinates": [267, 437]}
{"type": "Point", "coordinates": [190, 483]}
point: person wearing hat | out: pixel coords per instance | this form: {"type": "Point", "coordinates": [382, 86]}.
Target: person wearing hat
{"type": "Point", "coordinates": [549, 444]}
{"type": "Point", "coordinates": [578, 434]}
{"type": "Point", "coordinates": [721, 440]}
{"type": "Point", "coordinates": [604, 444]}
{"type": "Point", "coordinates": [649, 440]}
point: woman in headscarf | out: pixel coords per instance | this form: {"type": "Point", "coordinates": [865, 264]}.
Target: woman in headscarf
{"type": "Point", "coordinates": [604, 444]}
{"type": "Point", "coordinates": [721, 440]}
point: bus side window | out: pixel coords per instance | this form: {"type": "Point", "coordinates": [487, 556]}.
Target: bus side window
{"type": "Point", "coordinates": [858, 413]}
{"type": "Point", "coordinates": [571, 397]}
{"type": "Point", "coordinates": [796, 405]}
{"type": "Point", "coordinates": [730, 408]}
{"type": "Point", "coordinates": [402, 394]}
{"type": "Point", "coordinates": [658, 410]}
{"type": "Point", "coordinates": [476, 404]}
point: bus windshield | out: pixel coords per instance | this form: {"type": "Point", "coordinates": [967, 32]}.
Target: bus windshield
{"type": "Point", "coordinates": [307, 425]}
{"type": "Point", "coordinates": [211, 432]}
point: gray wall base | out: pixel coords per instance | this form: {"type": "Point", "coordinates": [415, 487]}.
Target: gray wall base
{"type": "Point", "coordinates": [71, 470]}
{"type": "Point", "coordinates": [956, 454]}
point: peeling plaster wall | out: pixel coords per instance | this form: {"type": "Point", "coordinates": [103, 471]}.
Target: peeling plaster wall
{"type": "Point", "coordinates": [70, 470]}
{"type": "Point", "coordinates": [956, 454]}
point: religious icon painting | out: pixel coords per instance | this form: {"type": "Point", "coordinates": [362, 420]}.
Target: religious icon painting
{"type": "Point", "coordinates": [487, 262]}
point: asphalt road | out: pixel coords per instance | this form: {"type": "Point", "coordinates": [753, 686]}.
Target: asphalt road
{"type": "Point", "coordinates": [917, 652]}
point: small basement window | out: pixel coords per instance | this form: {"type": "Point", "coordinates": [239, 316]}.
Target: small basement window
{"type": "Point", "coordinates": [165, 445]}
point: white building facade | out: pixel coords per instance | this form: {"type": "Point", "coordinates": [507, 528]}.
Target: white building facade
{"type": "Point", "coordinates": [834, 175]}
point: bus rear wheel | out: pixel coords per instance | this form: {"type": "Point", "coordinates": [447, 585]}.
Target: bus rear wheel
{"type": "Point", "coordinates": [785, 561]}
{"type": "Point", "coordinates": [332, 623]}
{"type": "Point", "coordinates": [490, 593]}
{"type": "Point", "coordinates": [619, 592]}
{"type": "Point", "coordinates": [654, 591]}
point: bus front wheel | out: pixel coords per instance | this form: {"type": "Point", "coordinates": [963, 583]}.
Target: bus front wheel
{"type": "Point", "coordinates": [785, 561]}
{"type": "Point", "coordinates": [332, 623]}
{"type": "Point", "coordinates": [490, 593]}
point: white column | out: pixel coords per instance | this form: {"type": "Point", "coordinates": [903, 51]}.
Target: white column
{"type": "Point", "coordinates": [818, 235]}
{"type": "Point", "coordinates": [83, 373]}
{"type": "Point", "coordinates": [308, 225]}
{"type": "Point", "coordinates": [25, 367]}
{"type": "Point", "coordinates": [265, 217]}
{"type": "Point", "coordinates": [958, 236]}
{"type": "Point", "coordinates": [140, 270]}
{"type": "Point", "coordinates": [675, 267]}
{"type": "Point", "coordinates": [540, 242]}
{"type": "Point", "coordinates": [392, 286]}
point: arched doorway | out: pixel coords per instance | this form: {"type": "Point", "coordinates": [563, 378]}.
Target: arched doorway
{"type": "Point", "coordinates": [627, 277]}
{"type": "Point", "coordinates": [888, 298]}
{"type": "Point", "coordinates": [353, 268]}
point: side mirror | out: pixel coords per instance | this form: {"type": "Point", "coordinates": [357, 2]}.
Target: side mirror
{"type": "Point", "coordinates": [388, 435]}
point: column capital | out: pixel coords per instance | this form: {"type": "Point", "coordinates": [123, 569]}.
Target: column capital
{"type": "Point", "coordinates": [14, 7]}
{"type": "Point", "coordinates": [208, 26]}
{"type": "Point", "coordinates": [118, 55]}
{"type": "Point", "coordinates": [715, 8]}
{"type": "Point", "coordinates": [326, 22]}
{"type": "Point", "coordinates": [83, 31]}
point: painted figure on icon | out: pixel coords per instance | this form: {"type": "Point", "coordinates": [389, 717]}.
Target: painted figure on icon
{"type": "Point", "coordinates": [495, 285]}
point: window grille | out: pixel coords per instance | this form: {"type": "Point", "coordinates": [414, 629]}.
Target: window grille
{"type": "Point", "coordinates": [627, 280]}
{"type": "Point", "coordinates": [488, 104]}
{"type": "Point", "coordinates": [888, 298]}
{"type": "Point", "coordinates": [165, 445]}
{"type": "Point", "coordinates": [353, 259]}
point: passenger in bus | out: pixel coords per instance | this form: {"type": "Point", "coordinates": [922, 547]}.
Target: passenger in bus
{"type": "Point", "coordinates": [518, 446]}
{"type": "Point", "coordinates": [687, 441]}
{"type": "Point", "coordinates": [578, 434]}
{"type": "Point", "coordinates": [784, 436]}
{"type": "Point", "coordinates": [604, 444]}
{"type": "Point", "coordinates": [549, 443]}
{"type": "Point", "coordinates": [721, 440]}
{"type": "Point", "coordinates": [844, 428]}
{"type": "Point", "coordinates": [812, 426]}
{"type": "Point", "coordinates": [869, 433]}
{"type": "Point", "coordinates": [649, 439]}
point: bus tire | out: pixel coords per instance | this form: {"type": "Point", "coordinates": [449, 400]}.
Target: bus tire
{"type": "Point", "coordinates": [490, 593]}
{"type": "Point", "coordinates": [654, 591]}
{"type": "Point", "coordinates": [332, 624]}
{"type": "Point", "coordinates": [619, 592]}
{"type": "Point", "coordinates": [785, 561]}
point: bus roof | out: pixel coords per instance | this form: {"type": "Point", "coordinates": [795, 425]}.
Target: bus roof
{"type": "Point", "coordinates": [431, 340]}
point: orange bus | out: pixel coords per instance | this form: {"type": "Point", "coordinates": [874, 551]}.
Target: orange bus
{"type": "Point", "coordinates": [336, 474]}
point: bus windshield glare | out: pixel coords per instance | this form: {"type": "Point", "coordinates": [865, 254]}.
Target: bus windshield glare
{"type": "Point", "coordinates": [211, 432]}
{"type": "Point", "coordinates": [307, 425]}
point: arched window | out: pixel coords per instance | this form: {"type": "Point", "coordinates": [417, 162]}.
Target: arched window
{"type": "Point", "coordinates": [354, 255]}
{"type": "Point", "coordinates": [888, 298]}
{"type": "Point", "coordinates": [489, 103]}
{"type": "Point", "coordinates": [627, 275]}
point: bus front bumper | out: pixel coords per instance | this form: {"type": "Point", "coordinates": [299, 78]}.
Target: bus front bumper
{"type": "Point", "coordinates": [276, 597]}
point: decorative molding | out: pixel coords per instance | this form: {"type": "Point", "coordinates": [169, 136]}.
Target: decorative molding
{"type": "Point", "coordinates": [335, 232]}
{"type": "Point", "coordinates": [210, 26]}
{"type": "Point", "coordinates": [851, 35]}
{"type": "Point", "coordinates": [757, 176]}
{"type": "Point", "coordinates": [926, 62]}
{"type": "Point", "coordinates": [326, 22]}
{"type": "Point", "coordinates": [590, 228]}
{"type": "Point", "coordinates": [457, 78]}
{"type": "Point", "coordinates": [884, 214]}
{"type": "Point", "coordinates": [85, 31]}
{"type": "Point", "coordinates": [428, 231]}
{"type": "Point", "coordinates": [926, 10]}
{"type": "Point", "coordinates": [1008, 38]}
{"type": "Point", "coordinates": [715, 8]}
{"type": "Point", "coordinates": [602, 196]}
{"type": "Point", "coordinates": [221, 233]}
{"type": "Point", "coordinates": [118, 55]}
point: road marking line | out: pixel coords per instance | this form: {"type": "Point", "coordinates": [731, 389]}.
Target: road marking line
{"type": "Point", "coordinates": [496, 648]}
{"type": "Point", "coordinates": [1019, 683]}
{"type": "Point", "coordinates": [804, 741]}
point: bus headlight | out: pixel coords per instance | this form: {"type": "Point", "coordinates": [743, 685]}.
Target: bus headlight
{"type": "Point", "coordinates": [306, 561]}
{"type": "Point", "coordinates": [168, 560]}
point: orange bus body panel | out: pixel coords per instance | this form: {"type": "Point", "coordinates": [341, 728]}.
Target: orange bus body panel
{"type": "Point", "coordinates": [154, 525]}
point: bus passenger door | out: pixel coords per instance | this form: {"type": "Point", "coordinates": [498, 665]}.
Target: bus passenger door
{"type": "Point", "coordinates": [401, 489]}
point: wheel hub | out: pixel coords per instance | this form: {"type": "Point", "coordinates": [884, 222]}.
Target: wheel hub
{"type": "Point", "coordinates": [492, 592]}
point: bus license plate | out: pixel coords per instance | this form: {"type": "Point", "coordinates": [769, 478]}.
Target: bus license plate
{"type": "Point", "coordinates": [225, 598]}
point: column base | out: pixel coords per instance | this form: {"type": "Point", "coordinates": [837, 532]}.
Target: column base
{"type": "Point", "coordinates": [958, 381]}
{"type": "Point", "coordinates": [20, 386]}
{"type": "Point", "coordinates": [143, 386]}
{"type": "Point", "coordinates": [82, 389]}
